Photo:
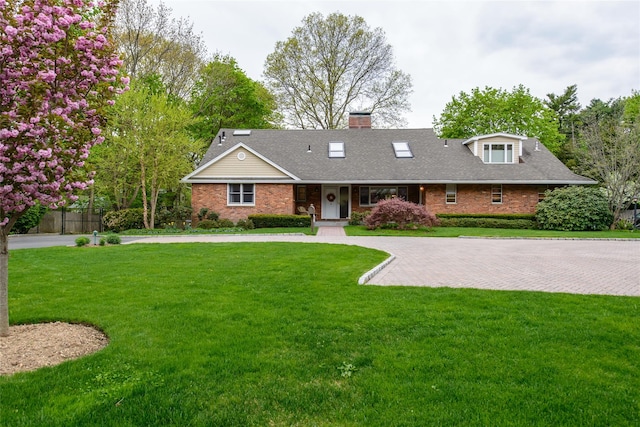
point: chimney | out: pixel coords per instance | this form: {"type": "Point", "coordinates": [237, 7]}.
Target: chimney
{"type": "Point", "coordinates": [360, 120]}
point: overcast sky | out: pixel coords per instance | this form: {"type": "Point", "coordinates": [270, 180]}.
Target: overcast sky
{"type": "Point", "coordinates": [453, 46]}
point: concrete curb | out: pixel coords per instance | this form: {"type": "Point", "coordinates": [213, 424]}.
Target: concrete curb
{"type": "Point", "coordinates": [375, 270]}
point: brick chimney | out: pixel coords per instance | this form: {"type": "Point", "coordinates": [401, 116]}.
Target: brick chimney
{"type": "Point", "coordinates": [360, 120]}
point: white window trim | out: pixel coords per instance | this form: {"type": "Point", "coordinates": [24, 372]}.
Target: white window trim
{"type": "Point", "coordinates": [498, 186]}
{"type": "Point", "coordinates": [451, 189]}
{"type": "Point", "coordinates": [505, 144]}
{"type": "Point", "coordinates": [242, 193]}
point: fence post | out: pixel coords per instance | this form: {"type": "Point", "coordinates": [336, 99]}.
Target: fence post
{"type": "Point", "coordinates": [64, 219]}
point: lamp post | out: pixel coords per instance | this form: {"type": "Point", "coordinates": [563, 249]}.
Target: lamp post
{"type": "Point", "coordinates": [635, 209]}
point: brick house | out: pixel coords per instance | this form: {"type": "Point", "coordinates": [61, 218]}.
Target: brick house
{"type": "Point", "coordinates": [246, 172]}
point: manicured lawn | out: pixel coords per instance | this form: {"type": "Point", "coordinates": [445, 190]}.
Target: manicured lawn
{"type": "Point", "coordinates": [275, 230]}
{"type": "Point", "coordinates": [267, 334]}
{"type": "Point", "coordinates": [353, 230]}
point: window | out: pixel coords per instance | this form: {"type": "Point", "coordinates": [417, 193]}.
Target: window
{"type": "Point", "coordinates": [371, 195]}
{"type": "Point", "coordinates": [336, 149]}
{"type": "Point", "coordinates": [301, 193]}
{"type": "Point", "coordinates": [496, 193]}
{"type": "Point", "coordinates": [498, 153]}
{"type": "Point", "coordinates": [452, 190]}
{"type": "Point", "coordinates": [241, 194]}
{"type": "Point", "coordinates": [402, 149]}
{"type": "Point", "coordinates": [542, 193]}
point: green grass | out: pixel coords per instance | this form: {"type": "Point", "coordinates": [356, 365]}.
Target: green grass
{"type": "Point", "coordinates": [173, 231]}
{"type": "Point", "coordinates": [357, 230]}
{"type": "Point", "coordinates": [261, 333]}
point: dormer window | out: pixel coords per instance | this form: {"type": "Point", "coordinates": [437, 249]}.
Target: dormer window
{"type": "Point", "coordinates": [402, 149]}
{"type": "Point", "coordinates": [497, 153]}
{"type": "Point", "coordinates": [336, 149]}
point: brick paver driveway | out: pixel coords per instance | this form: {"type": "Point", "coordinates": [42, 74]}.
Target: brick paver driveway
{"type": "Point", "coordinates": [610, 267]}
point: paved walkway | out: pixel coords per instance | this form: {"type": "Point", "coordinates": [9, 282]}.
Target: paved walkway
{"type": "Point", "coordinates": [608, 267]}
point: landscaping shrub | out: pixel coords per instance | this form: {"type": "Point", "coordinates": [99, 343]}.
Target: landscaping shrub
{"type": "Point", "coordinates": [489, 222]}
{"type": "Point", "coordinates": [206, 213]}
{"type": "Point", "coordinates": [207, 224]}
{"type": "Point", "coordinates": [402, 213]}
{"type": "Point", "coordinates": [357, 218]}
{"type": "Point", "coordinates": [113, 239]}
{"type": "Point", "coordinates": [225, 223]}
{"type": "Point", "coordinates": [245, 224]}
{"type": "Point", "coordinates": [574, 209]}
{"type": "Point", "coordinates": [81, 241]}
{"type": "Point", "coordinates": [31, 218]}
{"type": "Point", "coordinates": [125, 219]}
{"type": "Point", "coordinates": [273, 221]}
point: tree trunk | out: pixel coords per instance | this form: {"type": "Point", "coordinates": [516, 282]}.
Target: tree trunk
{"type": "Point", "coordinates": [4, 281]}
{"type": "Point", "coordinates": [143, 185]}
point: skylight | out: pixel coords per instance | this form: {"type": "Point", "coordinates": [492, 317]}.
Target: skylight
{"type": "Point", "coordinates": [336, 149]}
{"type": "Point", "coordinates": [402, 149]}
{"type": "Point", "coordinates": [242, 132]}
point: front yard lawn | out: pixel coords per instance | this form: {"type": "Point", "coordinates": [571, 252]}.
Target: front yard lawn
{"type": "Point", "coordinates": [280, 334]}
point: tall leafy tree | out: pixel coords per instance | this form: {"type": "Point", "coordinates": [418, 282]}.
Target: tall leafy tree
{"type": "Point", "coordinates": [493, 110]}
{"type": "Point", "coordinates": [332, 65]}
{"type": "Point", "coordinates": [148, 128]}
{"type": "Point", "coordinates": [225, 97]}
{"type": "Point", "coordinates": [152, 42]}
{"type": "Point", "coordinates": [610, 149]}
{"type": "Point", "coordinates": [58, 72]}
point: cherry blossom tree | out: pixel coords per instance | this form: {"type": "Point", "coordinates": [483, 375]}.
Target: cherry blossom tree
{"type": "Point", "coordinates": [58, 73]}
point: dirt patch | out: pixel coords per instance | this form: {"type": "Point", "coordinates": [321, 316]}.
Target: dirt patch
{"type": "Point", "coordinates": [29, 347]}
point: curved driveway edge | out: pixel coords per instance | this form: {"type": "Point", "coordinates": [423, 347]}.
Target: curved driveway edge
{"type": "Point", "coordinates": [606, 267]}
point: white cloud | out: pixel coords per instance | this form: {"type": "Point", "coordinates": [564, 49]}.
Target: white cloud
{"type": "Point", "coordinates": [453, 46]}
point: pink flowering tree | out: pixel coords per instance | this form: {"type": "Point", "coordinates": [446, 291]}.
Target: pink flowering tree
{"type": "Point", "coordinates": [58, 73]}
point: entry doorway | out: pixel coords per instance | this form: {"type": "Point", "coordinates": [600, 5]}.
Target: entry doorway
{"type": "Point", "coordinates": [335, 202]}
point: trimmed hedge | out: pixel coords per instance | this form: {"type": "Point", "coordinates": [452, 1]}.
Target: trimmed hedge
{"type": "Point", "coordinates": [275, 221]}
{"type": "Point", "coordinates": [511, 221]}
{"type": "Point", "coordinates": [518, 224]}
{"type": "Point", "coordinates": [530, 217]}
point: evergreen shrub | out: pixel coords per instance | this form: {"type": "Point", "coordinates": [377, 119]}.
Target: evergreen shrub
{"type": "Point", "coordinates": [274, 221]}
{"type": "Point", "coordinates": [574, 209]}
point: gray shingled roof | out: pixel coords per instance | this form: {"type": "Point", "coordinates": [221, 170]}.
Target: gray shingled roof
{"type": "Point", "coordinates": [370, 158]}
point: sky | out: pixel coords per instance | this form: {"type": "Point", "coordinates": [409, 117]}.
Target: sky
{"type": "Point", "coordinates": [453, 46]}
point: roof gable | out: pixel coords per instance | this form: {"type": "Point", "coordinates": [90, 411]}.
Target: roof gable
{"type": "Point", "coordinates": [239, 161]}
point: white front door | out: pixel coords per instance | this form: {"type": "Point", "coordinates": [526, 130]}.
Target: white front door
{"type": "Point", "coordinates": [330, 202]}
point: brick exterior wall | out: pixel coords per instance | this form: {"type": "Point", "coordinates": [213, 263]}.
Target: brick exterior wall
{"type": "Point", "coordinates": [476, 199]}
{"type": "Point", "coordinates": [281, 199]}
{"type": "Point", "coordinates": [471, 199]}
{"type": "Point", "coordinates": [269, 199]}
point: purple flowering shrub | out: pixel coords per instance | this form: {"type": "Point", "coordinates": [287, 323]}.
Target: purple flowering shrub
{"type": "Point", "coordinates": [401, 214]}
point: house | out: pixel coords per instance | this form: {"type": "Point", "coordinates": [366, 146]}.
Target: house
{"type": "Point", "coordinates": [254, 171]}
